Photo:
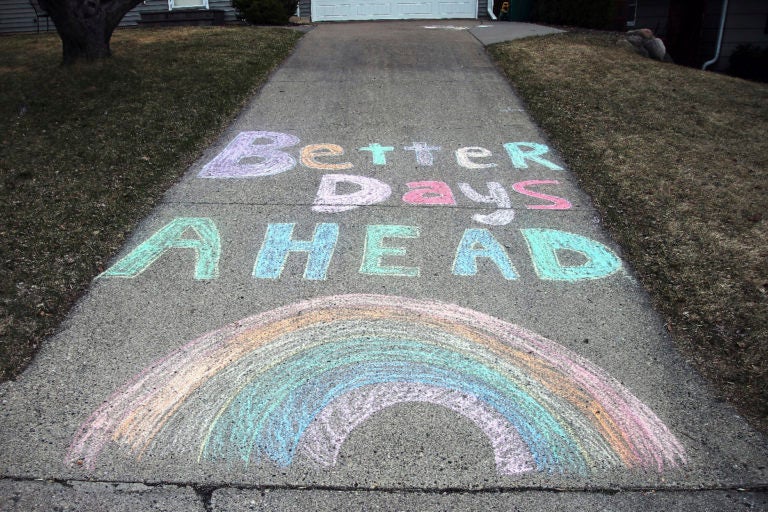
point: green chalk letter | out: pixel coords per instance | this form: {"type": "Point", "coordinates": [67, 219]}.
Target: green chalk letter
{"type": "Point", "coordinates": [378, 152]}
{"type": "Point", "coordinates": [375, 252]}
{"type": "Point", "coordinates": [207, 247]}
{"type": "Point", "coordinates": [519, 156]}
{"type": "Point", "coordinates": [544, 245]}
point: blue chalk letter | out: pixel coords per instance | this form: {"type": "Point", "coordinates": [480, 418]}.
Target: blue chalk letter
{"type": "Point", "coordinates": [423, 152]}
{"type": "Point", "coordinates": [545, 243]}
{"type": "Point", "coordinates": [465, 263]}
{"type": "Point", "coordinates": [207, 248]}
{"type": "Point", "coordinates": [278, 243]}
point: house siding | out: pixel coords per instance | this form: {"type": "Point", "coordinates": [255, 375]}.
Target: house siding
{"type": "Point", "coordinates": [305, 8]}
{"type": "Point", "coordinates": [653, 14]}
{"type": "Point", "coordinates": [131, 19]}
{"type": "Point", "coordinates": [18, 16]}
{"type": "Point", "coordinates": [230, 14]}
{"type": "Point", "coordinates": [709, 30]}
{"type": "Point", "coordinates": [482, 9]}
{"type": "Point", "coordinates": [746, 24]}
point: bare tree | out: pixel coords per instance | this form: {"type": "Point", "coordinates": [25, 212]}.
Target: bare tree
{"type": "Point", "coordinates": [86, 26]}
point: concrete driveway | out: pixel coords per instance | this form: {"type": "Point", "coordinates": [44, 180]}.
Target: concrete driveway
{"type": "Point", "coordinates": [381, 288]}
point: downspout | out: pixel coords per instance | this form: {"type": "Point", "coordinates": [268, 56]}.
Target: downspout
{"type": "Point", "coordinates": [723, 15]}
{"type": "Point", "coordinates": [490, 10]}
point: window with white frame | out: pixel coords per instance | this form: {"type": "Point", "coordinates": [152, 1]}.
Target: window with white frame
{"type": "Point", "coordinates": [187, 4]}
{"type": "Point", "coordinates": [631, 13]}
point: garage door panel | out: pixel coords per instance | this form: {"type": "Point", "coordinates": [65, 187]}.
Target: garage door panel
{"type": "Point", "coordinates": [375, 9]}
{"type": "Point", "coordinates": [331, 11]}
{"type": "Point", "coordinates": [352, 10]}
{"type": "Point", "coordinates": [414, 8]}
{"type": "Point", "coordinates": [458, 8]}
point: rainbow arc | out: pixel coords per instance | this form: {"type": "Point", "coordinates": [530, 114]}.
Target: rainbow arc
{"type": "Point", "coordinates": [294, 382]}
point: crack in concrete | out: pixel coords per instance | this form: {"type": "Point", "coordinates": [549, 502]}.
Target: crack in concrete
{"type": "Point", "coordinates": [205, 491]}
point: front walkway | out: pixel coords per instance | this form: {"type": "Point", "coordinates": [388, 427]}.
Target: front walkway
{"type": "Point", "coordinates": [380, 277]}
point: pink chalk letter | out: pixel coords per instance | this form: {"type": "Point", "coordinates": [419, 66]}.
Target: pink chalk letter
{"type": "Point", "coordinates": [429, 192]}
{"type": "Point", "coordinates": [557, 203]}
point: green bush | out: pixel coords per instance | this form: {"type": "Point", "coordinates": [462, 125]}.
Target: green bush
{"type": "Point", "coordinates": [599, 14]}
{"type": "Point", "coordinates": [266, 12]}
{"type": "Point", "coordinates": [750, 62]}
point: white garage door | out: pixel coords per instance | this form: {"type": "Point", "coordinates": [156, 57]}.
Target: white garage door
{"type": "Point", "coordinates": [348, 10]}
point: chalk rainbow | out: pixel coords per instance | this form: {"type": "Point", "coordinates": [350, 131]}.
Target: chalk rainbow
{"type": "Point", "coordinates": [297, 380]}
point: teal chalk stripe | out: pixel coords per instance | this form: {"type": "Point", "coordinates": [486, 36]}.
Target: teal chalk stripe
{"type": "Point", "coordinates": [545, 243]}
{"type": "Point", "coordinates": [207, 248]}
{"type": "Point", "coordinates": [268, 417]}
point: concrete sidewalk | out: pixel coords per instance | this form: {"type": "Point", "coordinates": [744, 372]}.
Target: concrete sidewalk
{"type": "Point", "coordinates": [381, 288]}
{"type": "Point", "coordinates": [491, 32]}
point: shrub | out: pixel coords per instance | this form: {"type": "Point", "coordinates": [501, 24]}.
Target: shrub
{"type": "Point", "coordinates": [266, 12]}
{"type": "Point", "coordinates": [750, 62]}
{"type": "Point", "coordinates": [599, 14]}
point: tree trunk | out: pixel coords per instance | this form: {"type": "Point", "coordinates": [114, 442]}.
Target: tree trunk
{"type": "Point", "coordinates": [86, 26]}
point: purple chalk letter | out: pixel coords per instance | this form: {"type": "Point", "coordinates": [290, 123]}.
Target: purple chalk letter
{"type": "Point", "coordinates": [244, 159]}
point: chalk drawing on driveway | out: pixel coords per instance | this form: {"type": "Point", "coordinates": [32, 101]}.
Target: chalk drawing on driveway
{"type": "Point", "coordinates": [297, 380]}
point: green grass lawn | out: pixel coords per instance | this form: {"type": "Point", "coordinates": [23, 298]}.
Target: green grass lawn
{"type": "Point", "coordinates": [85, 151]}
{"type": "Point", "coordinates": [676, 160]}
